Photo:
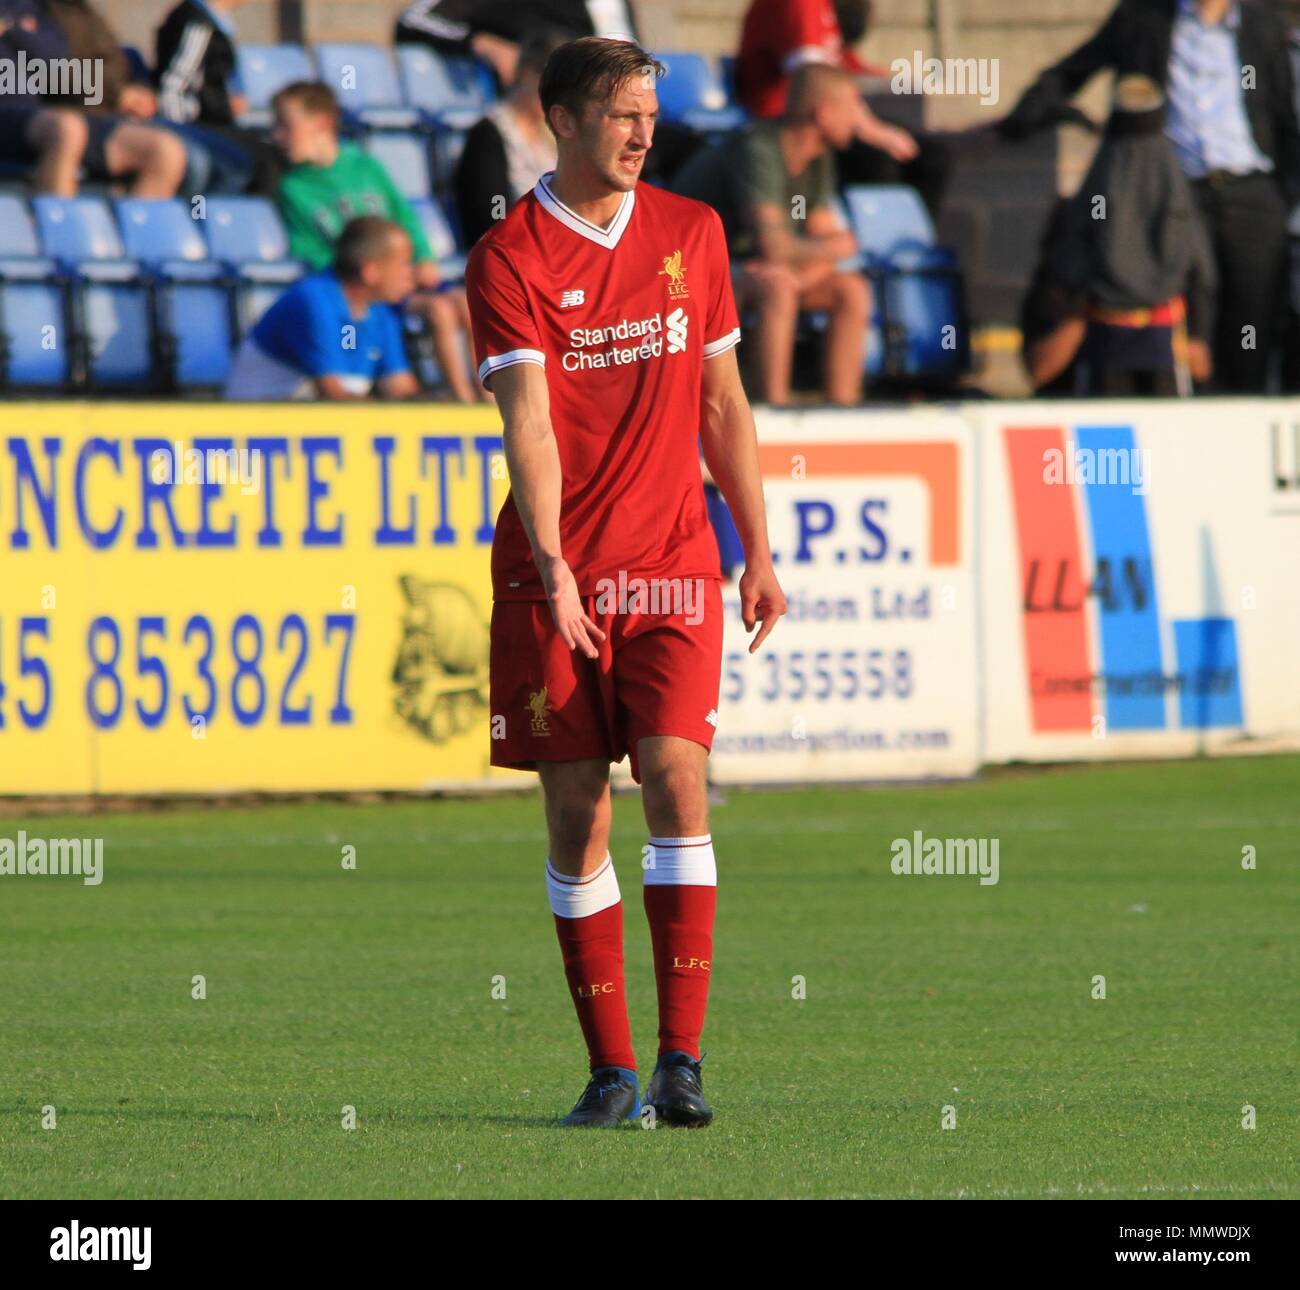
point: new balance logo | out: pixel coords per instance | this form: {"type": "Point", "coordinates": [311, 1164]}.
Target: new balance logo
{"type": "Point", "coordinates": [677, 323]}
{"type": "Point", "coordinates": [571, 298]}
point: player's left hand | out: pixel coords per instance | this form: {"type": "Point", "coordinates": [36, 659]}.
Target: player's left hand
{"type": "Point", "coordinates": [762, 602]}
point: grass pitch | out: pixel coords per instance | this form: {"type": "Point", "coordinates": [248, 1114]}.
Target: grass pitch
{"type": "Point", "coordinates": [373, 988]}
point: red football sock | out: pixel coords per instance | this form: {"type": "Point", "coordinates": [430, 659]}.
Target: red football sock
{"type": "Point", "coordinates": [592, 947]}
{"type": "Point", "coordinates": [681, 915]}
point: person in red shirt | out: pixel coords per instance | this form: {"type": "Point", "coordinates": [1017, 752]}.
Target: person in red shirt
{"type": "Point", "coordinates": [605, 325]}
{"type": "Point", "coordinates": [780, 36]}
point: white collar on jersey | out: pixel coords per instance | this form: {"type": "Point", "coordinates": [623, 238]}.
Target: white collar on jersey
{"type": "Point", "coordinates": [606, 237]}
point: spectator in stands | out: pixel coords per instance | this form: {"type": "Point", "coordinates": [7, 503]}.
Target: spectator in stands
{"type": "Point", "coordinates": [52, 138]}
{"type": "Point", "coordinates": [510, 149]}
{"type": "Point", "coordinates": [1124, 295]}
{"type": "Point", "coordinates": [195, 58]}
{"type": "Point", "coordinates": [330, 182]}
{"type": "Point", "coordinates": [335, 334]}
{"type": "Point", "coordinates": [773, 185]}
{"type": "Point", "coordinates": [1239, 146]}
{"type": "Point", "coordinates": [780, 36]}
{"type": "Point", "coordinates": [71, 133]}
{"type": "Point", "coordinates": [494, 30]}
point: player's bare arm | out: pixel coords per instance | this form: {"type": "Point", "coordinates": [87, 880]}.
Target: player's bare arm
{"type": "Point", "coordinates": [533, 461]}
{"type": "Point", "coordinates": [731, 454]}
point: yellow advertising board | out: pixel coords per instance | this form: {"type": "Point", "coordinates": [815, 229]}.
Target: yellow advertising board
{"type": "Point", "coordinates": [212, 597]}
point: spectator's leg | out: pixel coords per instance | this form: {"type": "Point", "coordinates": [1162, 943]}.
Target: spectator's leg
{"type": "Point", "coordinates": [1249, 227]}
{"type": "Point", "coordinates": [847, 298]}
{"type": "Point", "coordinates": [155, 159]}
{"type": "Point", "coordinates": [60, 137]}
{"type": "Point", "coordinates": [440, 311]}
{"type": "Point", "coordinates": [772, 290]}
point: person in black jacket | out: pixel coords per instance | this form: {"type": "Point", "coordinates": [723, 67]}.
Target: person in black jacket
{"type": "Point", "coordinates": [196, 58]}
{"type": "Point", "coordinates": [510, 149]}
{"type": "Point", "coordinates": [1236, 138]}
{"type": "Point", "coordinates": [196, 62]}
{"type": "Point", "coordinates": [495, 30]}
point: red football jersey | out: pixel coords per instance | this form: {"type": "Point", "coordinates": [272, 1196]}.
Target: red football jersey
{"type": "Point", "coordinates": [778, 36]}
{"type": "Point", "coordinates": [622, 319]}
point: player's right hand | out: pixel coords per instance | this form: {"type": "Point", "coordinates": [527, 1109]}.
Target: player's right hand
{"type": "Point", "coordinates": [576, 629]}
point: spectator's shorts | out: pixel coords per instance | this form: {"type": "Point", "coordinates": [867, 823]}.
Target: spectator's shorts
{"type": "Point", "coordinates": [95, 162]}
{"type": "Point", "coordinates": [14, 121]}
{"type": "Point", "coordinates": [657, 674]}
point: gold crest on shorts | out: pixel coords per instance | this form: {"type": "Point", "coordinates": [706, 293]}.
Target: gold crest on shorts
{"type": "Point", "coordinates": [537, 706]}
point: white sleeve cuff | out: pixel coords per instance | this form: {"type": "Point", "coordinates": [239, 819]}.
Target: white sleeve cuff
{"type": "Point", "coordinates": [722, 344]}
{"type": "Point", "coordinates": [494, 362]}
{"type": "Point", "coordinates": [796, 58]}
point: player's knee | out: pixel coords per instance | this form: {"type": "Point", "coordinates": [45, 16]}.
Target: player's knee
{"type": "Point", "coordinates": [676, 785]}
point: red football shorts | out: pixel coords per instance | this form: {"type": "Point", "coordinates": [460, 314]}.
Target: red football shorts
{"type": "Point", "coordinates": [657, 674]}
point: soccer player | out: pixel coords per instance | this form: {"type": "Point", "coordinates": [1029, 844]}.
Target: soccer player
{"type": "Point", "coordinates": [605, 325]}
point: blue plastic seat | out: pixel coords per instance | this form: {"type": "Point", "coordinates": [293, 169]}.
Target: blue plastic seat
{"type": "Point", "coordinates": [193, 293]}
{"type": "Point", "coordinates": [245, 230]}
{"type": "Point", "coordinates": [112, 317]}
{"type": "Point", "coordinates": [442, 240]}
{"type": "Point", "coordinates": [449, 95]}
{"type": "Point", "coordinates": [447, 91]}
{"type": "Point", "coordinates": [17, 230]}
{"type": "Point", "coordinates": [154, 232]}
{"type": "Point", "coordinates": [365, 82]}
{"type": "Point", "coordinates": [247, 235]}
{"type": "Point", "coordinates": [265, 69]}
{"type": "Point", "coordinates": [885, 216]}
{"type": "Point", "coordinates": [406, 158]}
{"type": "Point", "coordinates": [35, 338]}
{"type": "Point", "coordinates": [692, 94]}
{"type": "Point", "coordinates": [35, 349]}
{"type": "Point", "coordinates": [77, 230]}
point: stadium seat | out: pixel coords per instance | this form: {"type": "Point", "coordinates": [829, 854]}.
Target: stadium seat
{"type": "Point", "coordinates": [365, 82]}
{"type": "Point", "coordinates": [883, 216]}
{"type": "Point", "coordinates": [110, 296]}
{"type": "Point", "coordinates": [691, 94]}
{"type": "Point", "coordinates": [265, 69]}
{"type": "Point", "coordinates": [437, 228]}
{"type": "Point", "coordinates": [450, 97]}
{"type": "Point", "coordinates": [927, 330]}
{"type": "Point", "coordinates": [33, 299]}
{"type": "Point", "coordinates": [406, 158]}
{"type": "Point", "coordinates": [448, 91]}
{"type": "Point", "coordinates": [246, 235]}
{"type": "Point", "coordinates": [157, 231]}
{"type": "Point", "coordinates": [193, 293]}
{"type": "Point", "coordinates": [916, 284]}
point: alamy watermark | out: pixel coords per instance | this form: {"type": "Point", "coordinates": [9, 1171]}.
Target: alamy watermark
{"type": "Point", "coordinates": [920, 75]}
{"type": "Point", "coordinates": [23, 857]}
{"type": "Point", "coordinates": [947, 856]}
{"type": "Point", "coordinates": [683, 597]}
{"type": "Point", "coordinates": [180, 465]}
{"type": "Point", "coordinates": [1115, 467]}
{"type": "Point", "coordinates": [67, 78]}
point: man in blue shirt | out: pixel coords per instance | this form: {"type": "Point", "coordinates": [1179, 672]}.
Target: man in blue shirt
{"type": "Point", "coordinates": [336, 335]}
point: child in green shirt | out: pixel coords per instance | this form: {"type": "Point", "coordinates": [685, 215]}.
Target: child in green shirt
{"type": "Point", "coordinates": [330, 182]}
